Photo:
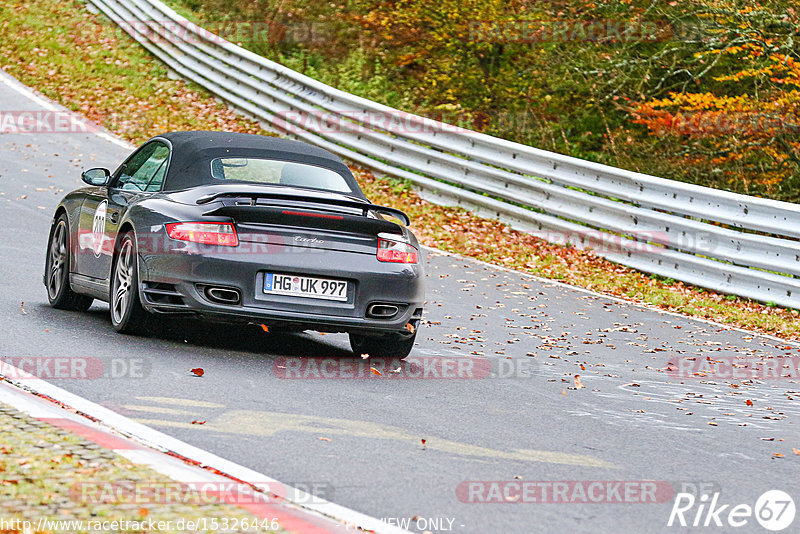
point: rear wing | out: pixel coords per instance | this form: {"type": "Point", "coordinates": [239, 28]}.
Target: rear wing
{"type": "Point", "coordinates": [254, 206]}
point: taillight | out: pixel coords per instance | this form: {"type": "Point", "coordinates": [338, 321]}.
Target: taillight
{"type": "Point", "coordinates": [208, 233]}
{"type": "Point", "coordinates": [396, 252]}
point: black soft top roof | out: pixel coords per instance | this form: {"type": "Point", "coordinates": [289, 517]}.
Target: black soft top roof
{"type": "Point", "coordinates": [192, 153]}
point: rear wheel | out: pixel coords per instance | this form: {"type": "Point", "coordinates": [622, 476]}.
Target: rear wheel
{"type": "Point", "coordinates": [59, 291]}
{"type": "Point", "coordinates": [127, 314]}
{"type": "Point", "coordinates": [383, 346]}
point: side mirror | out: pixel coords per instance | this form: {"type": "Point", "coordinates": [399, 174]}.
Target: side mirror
{"type": "Point", "coordinates": [96, 176]}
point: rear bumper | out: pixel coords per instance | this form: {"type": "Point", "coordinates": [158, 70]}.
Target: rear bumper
{"type": "Point", "coordinates": [174, 281]}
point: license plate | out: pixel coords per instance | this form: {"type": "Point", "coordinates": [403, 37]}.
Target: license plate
{"type": "Point", "coordinates": [305, 286]}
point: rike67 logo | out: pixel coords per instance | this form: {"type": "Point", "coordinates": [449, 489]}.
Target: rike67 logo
{"type": "Point", "coordinates": [774, 510]}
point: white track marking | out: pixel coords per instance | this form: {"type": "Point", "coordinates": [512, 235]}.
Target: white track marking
{"type": "Point", "coordinates": [12, 83]}
{"type": "Point", "coordinates": [162, 442]}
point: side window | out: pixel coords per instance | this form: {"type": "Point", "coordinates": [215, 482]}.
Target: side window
{"type": "Point", "coordinates": [159, 158]}
{"type": "Point", "coordinates": [145, 170]}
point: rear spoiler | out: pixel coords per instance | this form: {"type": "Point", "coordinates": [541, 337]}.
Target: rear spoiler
{"type": "Point", "coordinates": [364, 206]}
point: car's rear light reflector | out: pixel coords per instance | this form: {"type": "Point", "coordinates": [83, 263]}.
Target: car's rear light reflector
{"type": "Point", "coordinates": [396, 252]}
{"type": "Point", "coordinates": [312, 214]}
{"type": "Point", "coordinates": [207, 233]}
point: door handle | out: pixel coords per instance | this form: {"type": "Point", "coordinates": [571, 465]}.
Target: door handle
{"type": "Point", "coordinates": [114, 216]}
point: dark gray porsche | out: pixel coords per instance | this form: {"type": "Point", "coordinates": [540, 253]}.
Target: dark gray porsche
{"type": "Point", "coordinates": [243, 228]}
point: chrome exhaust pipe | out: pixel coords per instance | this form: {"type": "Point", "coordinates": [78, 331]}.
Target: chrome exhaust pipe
{"type": "Point", "coordinates": [382, 311]}
{"type": "Point", "coordinates": [223, 295]}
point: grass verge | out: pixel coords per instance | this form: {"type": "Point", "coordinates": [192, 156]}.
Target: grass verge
{"type": "Point", "coordinates": [90, 66]}
{"type": "Point", "coordinates": [62, 482]}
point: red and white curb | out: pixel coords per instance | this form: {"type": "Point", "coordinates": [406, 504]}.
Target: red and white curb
{"type": "Point", "coordinates": [295, 510]}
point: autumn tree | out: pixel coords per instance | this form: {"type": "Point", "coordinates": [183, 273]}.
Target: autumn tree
{"type": "Point", "coordinates": [743, 131]}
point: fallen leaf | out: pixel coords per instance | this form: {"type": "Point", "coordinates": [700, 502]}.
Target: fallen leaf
{"type": "Point", "coordinates": [410, 327]}
{"type": "Point", "coordinates": [196, 422]}
{"type": "Point", "coordinates": [323, 439]}
{"type": "Point", "coordinates": [712, 423]}
{"type": "Point", "coordinates": [265, 328]}
{"type": "Point", "coordinates": [198, 371]}
{"type": "Point", "coordinates": [143, 512]}
{"type": "Point", "coordinates": [375, 371]}
{"type": "Point", "coordinates": [424, 441]}
{"type": "Point", "coordinates": [796, 451]}
{"type": "Point", "coordinates": [749, 402]}
{"type": "Point", "coordinates": [364, 356]}
{"type": "Point", "coordinates": [578, 383]}
{"type": "Point", "coordinates": [22, 308]}
{"type": "Point", "coordinates": [777, 455]}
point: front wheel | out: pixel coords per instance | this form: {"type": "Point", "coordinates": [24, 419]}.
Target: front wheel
{"type": "Point", "coordinates": [59, 292]}
{"type": "Point", "coordinates": [127, 314]}
{"type": "Point", "coordinates": [383, 346]}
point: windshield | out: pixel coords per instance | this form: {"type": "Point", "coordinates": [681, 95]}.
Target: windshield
{"type": "Point", "coordinates": [275, 172]}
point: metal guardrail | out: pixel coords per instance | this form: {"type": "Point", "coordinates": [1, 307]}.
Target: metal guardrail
{"type": "Point", "coordinates": [723, 241]}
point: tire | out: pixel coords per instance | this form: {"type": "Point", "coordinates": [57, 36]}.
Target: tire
{"type": "Point", "coordinates": [56, 268]}
{"type": "Point", "coordinates": [127, 314]}
{"type": "Point", "coordinates": [383, 346]}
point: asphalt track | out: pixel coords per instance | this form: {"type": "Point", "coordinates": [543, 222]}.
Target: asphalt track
{"type": "Point", "coordinates": [516, 417]}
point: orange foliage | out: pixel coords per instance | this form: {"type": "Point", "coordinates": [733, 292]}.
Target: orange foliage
{"type": "Point", "coordinates": [750, 134]}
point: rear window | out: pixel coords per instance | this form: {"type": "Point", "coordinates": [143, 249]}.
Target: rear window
{"type": "Point", "coordinates": [275, 172]}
